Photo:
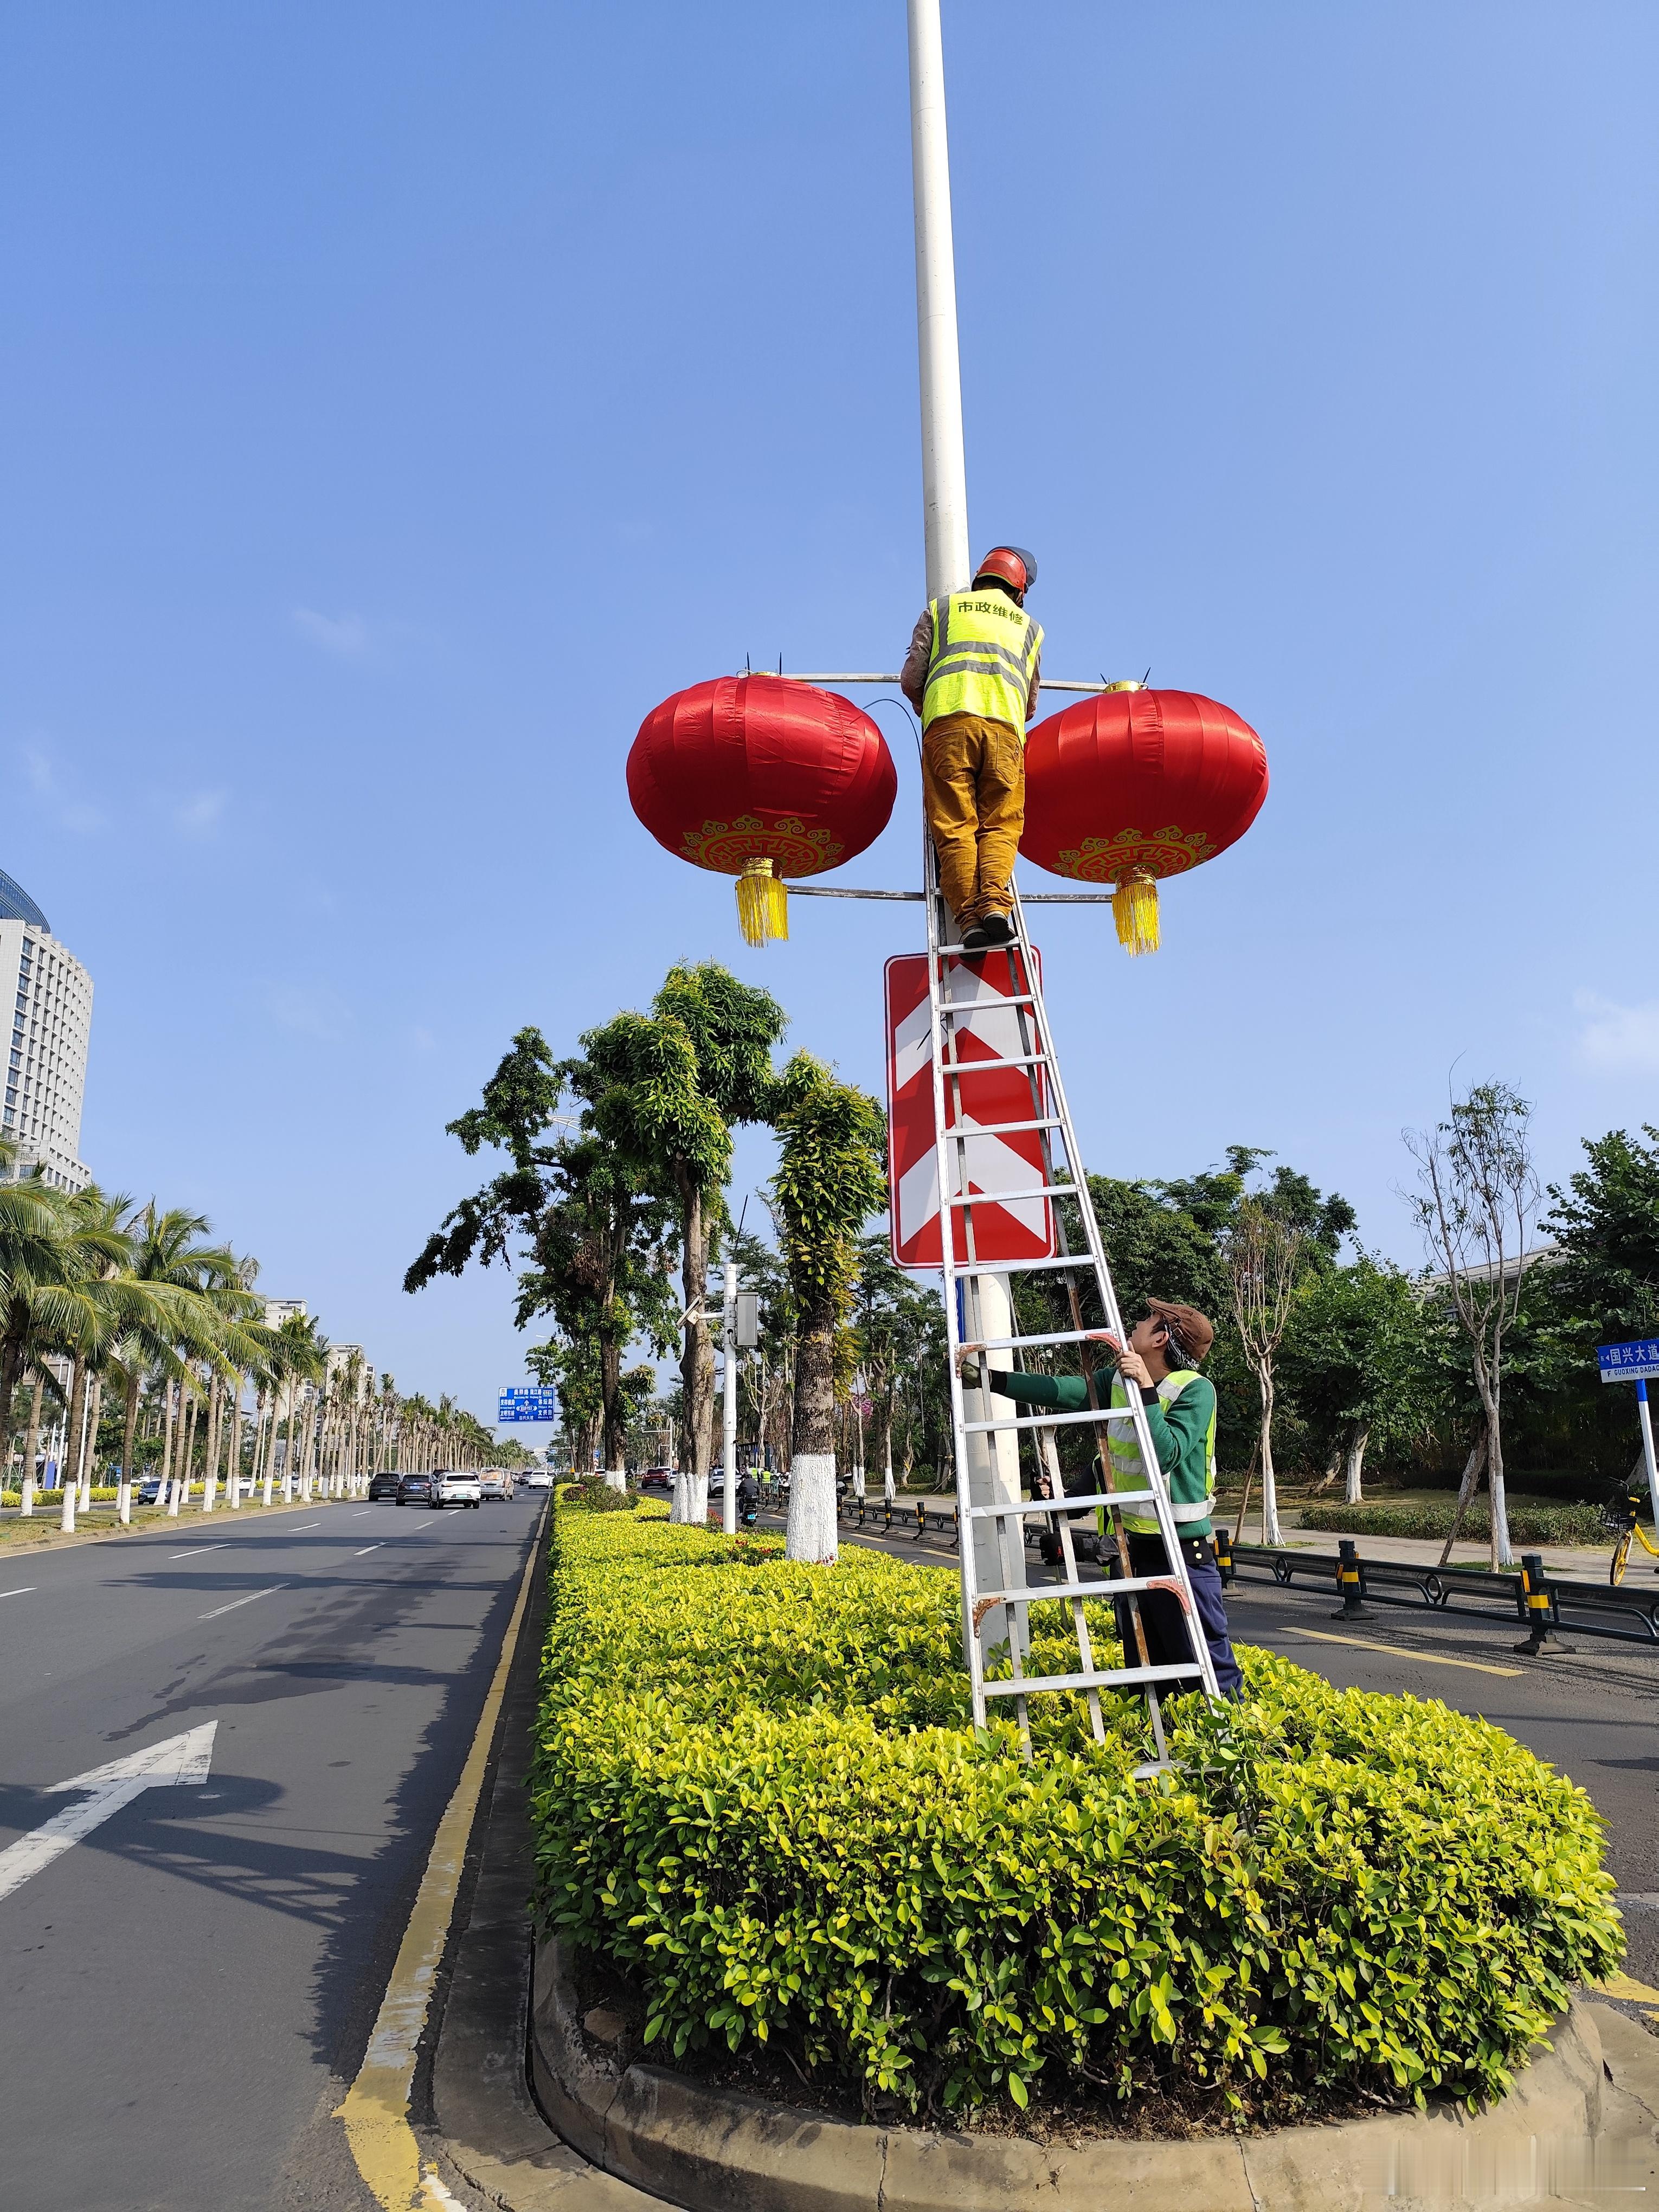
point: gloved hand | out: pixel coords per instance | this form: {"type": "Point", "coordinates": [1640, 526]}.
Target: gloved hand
{"type": "Point", "coordinates": [969, 1371]}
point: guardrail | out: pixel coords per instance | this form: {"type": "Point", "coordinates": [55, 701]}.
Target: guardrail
{"type": "Point", "coordinates": [1535, 1599]}
{"type": "Point", "coordinates": [915, 1519]}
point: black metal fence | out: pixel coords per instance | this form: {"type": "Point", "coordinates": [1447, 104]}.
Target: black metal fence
{"type": "Point", "coordinates": [1537, 1600]}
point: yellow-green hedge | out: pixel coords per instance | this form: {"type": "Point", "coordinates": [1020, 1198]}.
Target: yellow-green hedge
{"type": "Point", "coordinates": [756, 1788]}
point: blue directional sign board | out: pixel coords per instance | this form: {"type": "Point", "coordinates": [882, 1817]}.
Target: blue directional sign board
{"type": "Point", "coordinates": [536, 1403]}
{"type": "Point", "coordinates": [1629, 1363]}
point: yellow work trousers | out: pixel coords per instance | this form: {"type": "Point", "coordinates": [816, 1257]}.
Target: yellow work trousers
{"type": "Point", "coordinates": [973, 786]}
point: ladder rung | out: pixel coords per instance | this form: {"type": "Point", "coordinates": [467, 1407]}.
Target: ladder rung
{"type": "Point", "coordinates": [990, 1066]}
{"type": "Point", "coordinates": [1036, 1593]}
{"type": "Point", "coordinates": [1068, 1505]}
{"type": "Point", "coordinates": [1004, 1129]}
{"type": "Point", "coordinates": [1076, 1263]}
{"type": "Point", "coordinates": [992, 1004]}
{"type": "Point", "coordinates": [1059, 1336]}
{"type": "Point", "coordinates": [1051, 1420]}
{"type": "Point", "coordinates": [1010, 1197]}
{"type": "Point", "coordinates": [1102, 1680]}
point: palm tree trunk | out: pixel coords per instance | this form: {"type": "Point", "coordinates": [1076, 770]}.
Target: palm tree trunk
{"type": "Point", "coordinates": [31, 1443]}
{"type": "Point", "coordinates": [89, 1451]}
{"type": "Point", "coordinates": [72, 1473]}
{"type": "Point", "coordinates": [234, 1456]}
{"type": "Point", "coordinates": [164, 1488]}
{"type": "Point", "coordinates": [210, 1471]}
{"type": "Point", "coordinates": [268, 1425]}
{"type": "Point", "coordinates": [129, 1431]}
{"type": "Point", "coordinates": [186, 1451]}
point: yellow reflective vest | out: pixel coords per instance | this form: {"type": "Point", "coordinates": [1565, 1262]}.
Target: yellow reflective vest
{"type": "Point", "coordinates": [985, 648]}
{"type": "Point", "coordinates": [1192, 1490]}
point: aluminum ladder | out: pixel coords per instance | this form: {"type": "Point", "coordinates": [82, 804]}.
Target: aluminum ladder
{"type": "Point", "coordinates": [1064, 1182]}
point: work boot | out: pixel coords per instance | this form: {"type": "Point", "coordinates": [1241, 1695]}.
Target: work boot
{"type": "Point", "coordinates": [977, 939]}
{"type": "Point", "coordinates": [997, 929]}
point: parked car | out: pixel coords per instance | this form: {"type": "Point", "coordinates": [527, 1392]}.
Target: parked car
{"type": "Point", "coordinates": [383, 1485]}
{"type": "Point", "coordinates": [657, 1478]}
{"type": "Point", "coordinates": [415, 1489]}
{"type": "Point", "coordinates": [496, 1484]}
{"type": "Point", "coordinates": [455, 1490]}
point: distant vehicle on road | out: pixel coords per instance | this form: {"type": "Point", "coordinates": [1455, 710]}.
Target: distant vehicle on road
{"type": "Point", "coordinates": [657, 1478]}
{"type": "Point", "coordinates": [383, 1485]}
{"type": "Point", "coordinates": [496, 1484]}
{"type": "Point", "coordinates": [455, 1490]}
{"type": "Point", "coordinates": [415, 1489]}
{"type": "Point", "coordinates": [539, 1478]}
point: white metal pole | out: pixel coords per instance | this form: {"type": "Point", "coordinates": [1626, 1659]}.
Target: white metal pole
{"type": "Point", "coordinates": [943, 466]}
{"type": "Point", "coordinates": [1646, 1419]}
{"type": "Point", "coordinates": [729, 1409]}
{"type": "Point", "coordinates": [992, 1461]}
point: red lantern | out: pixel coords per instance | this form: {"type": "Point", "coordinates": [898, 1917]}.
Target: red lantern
{"type": "Point", "coordinates": [1130, 785]}
{"type": "Point", "coordinates": [759, 777]}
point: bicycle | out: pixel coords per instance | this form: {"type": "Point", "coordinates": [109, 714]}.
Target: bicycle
{"type": "Point", "coordinates": [1623, 1518]}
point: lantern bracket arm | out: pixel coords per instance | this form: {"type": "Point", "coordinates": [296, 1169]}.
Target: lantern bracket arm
{"type": "Point", "coordinates": [1031, 898]}
{"type": "Point", "coordinates": [1045, 682]}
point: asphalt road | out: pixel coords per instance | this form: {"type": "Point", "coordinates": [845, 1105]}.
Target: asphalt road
{"type": "Point", "coordinates": [1590, 1712]}
{"type": "Point", "coordinates": [188, 1988]}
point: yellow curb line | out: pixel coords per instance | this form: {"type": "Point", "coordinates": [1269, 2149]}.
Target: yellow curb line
{"type": "Point", "coordinates": [375, 2111]}
{"type": "Point", "coordinates": [1626, 1986]}
{"type": "Point", "coordinates": [1399, 1651]}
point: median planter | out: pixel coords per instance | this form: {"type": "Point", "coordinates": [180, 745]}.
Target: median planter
{"type": "Point", "coordinates": [756, 1797]}
{"type": "Point", "coordinates": [714, 2150]}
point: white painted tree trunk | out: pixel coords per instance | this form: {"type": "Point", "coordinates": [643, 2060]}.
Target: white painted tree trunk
{"type": "Point", "coordinates": [615, 1478]}
{"type": "Point", "coordinates": [811, 1532]}
{"type": "Point", "coordinates": [1357, 1442]}
{"type": "Point", "coordinates": [680, 1511]}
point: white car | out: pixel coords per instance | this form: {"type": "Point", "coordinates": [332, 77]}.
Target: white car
{"type": "Point", "coordinates": [539, 1479]}
{"type": "Point", "coordinates": [455, 1490]}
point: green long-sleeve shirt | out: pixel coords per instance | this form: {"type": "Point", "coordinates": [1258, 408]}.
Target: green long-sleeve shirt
{"type": "Point", "coordinates": [1180, 1426]}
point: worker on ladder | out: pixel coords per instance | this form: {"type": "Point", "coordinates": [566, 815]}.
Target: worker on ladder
{"type": "Point", "coordinates": [971, 674]}
{"type": "Point", "coordinates": [1161, 1360]}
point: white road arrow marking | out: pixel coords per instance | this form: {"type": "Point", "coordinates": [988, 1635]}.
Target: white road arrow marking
{"type": "Point", "coordinates": [180, 1759]}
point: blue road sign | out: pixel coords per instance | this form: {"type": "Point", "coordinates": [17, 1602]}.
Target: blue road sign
{"type": "Point", "coordinates": [1629, 1363]}
{"type": "Point", "coordinates": [540, 1403]}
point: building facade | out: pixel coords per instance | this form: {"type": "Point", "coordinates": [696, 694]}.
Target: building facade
{"type": "Point", "coordinates": [50, 994]}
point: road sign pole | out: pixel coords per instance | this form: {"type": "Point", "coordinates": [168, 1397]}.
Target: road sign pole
{"type": "Point", "coordinates": [1646, 1419]}
{"type": "Point", "coordinates": [729, 1408]}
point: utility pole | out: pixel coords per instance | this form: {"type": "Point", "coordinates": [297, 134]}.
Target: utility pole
{"type": "Point", "coordinates": [729, 1404]}
{"type": "Point", "coordinates": [993, 1459]}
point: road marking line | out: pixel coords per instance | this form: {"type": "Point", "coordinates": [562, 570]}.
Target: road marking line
{"type": "Point", "coordinates": [181, 1759]}
{"type": "Point", "coordinates": [1626, 1986]}
{"type": "Point", "coordinates": [375, 2110]}
{"type": "Point", "coordinates": [361, 1510]}
{"type": "Point", "coordinates": [194, 1548]}
{"type": "Point", "coordinates": [21, 1590]}
{"type": "Point", "coordinates": [1400, 1651]}
{"type": "Point", "coordinates": [251, 1595]}
{"type": "Point", "coordinates": [366, 1549]}
{"type": "Point", "coordinates": [304, 1525]}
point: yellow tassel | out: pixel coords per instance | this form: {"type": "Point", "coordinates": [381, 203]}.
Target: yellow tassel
{"type": "Point", "coordinates": [1134, 909]}
{"type": "Point", "coordinates": [762, 904]}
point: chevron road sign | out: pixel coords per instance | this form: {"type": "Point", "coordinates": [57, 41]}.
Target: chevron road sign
{"type": "Point", "coordinates": [1023, 1228]}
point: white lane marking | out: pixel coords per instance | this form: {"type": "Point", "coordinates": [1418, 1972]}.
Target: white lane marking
{"type": "Point", "coordinates": [200, 1547]}
{"type": "Point", "coordinates": [303, 1526]}
{"type": "Point", "coordinates": [21, 1590]}
{"type": "Point", "coordinates": [180, 1759]}
{"type": "Point", "coordinates": [361, 1510]}
{"type": "Point", "coordinates": [235, 1601]}
{"type": "Point", "coordinates": [366, 1549]}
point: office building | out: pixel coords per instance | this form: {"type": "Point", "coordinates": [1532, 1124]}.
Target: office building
{"type": "Point", "coordinates": [50, 996]}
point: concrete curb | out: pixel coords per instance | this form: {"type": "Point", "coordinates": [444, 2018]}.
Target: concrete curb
{"type": "Point", "coordinates": [716, 2151]}
{"type": "Point", "coordinates": [1583, 2119]}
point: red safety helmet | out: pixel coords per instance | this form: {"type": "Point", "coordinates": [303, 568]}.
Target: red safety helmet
{"type": "Point", "coordinates": [1012, 565]}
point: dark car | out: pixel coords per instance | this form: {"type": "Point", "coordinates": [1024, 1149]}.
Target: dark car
{"type": "Point", "coordinates": [383, 1485]}
{"type": "Point", "coordinates": [657, 1478]}
{"type": "Point", "coordinates": [416, 1489]}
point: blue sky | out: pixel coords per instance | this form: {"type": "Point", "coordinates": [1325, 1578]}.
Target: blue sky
{"type": "Point", "coordinates": [401, 400]}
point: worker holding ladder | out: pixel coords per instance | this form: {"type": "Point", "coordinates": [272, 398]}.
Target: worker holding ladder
{"type": "Point", "coordinates": [1160, 1361]}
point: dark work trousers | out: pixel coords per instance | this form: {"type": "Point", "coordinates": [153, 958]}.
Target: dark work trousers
{"type": "Point", "coordinates": [1161, 1620]}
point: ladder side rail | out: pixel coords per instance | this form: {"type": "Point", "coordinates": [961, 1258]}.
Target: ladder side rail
{"type": "Point", "coordinates": [942, 1168]}
{"type": "Point", "coordinates": [1152, 1470]}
